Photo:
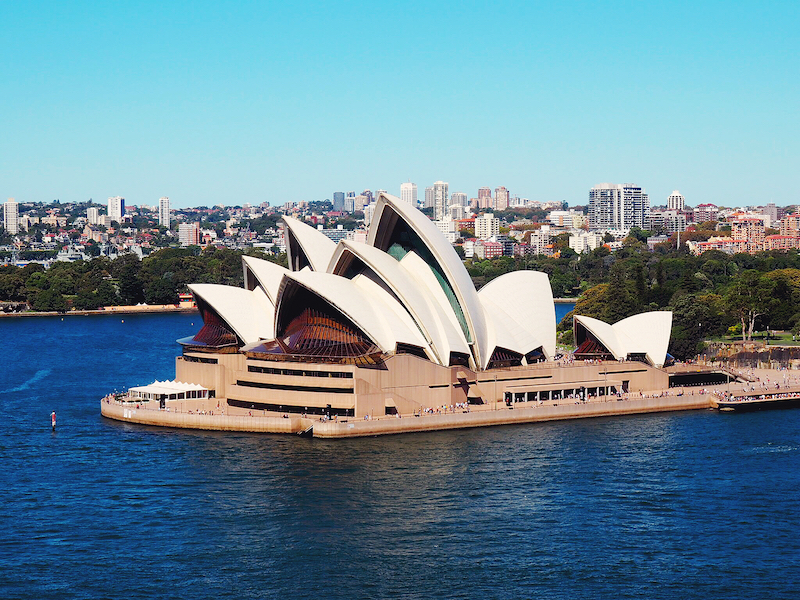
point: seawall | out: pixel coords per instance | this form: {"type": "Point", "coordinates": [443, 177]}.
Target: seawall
{"type": "Point", "coordinates": [408, 424]}
{"type": "Point", "coordinates": [163, 418]}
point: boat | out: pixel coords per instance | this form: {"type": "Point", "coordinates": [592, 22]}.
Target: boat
{"type": "Point", "coordinates": [750, 402]}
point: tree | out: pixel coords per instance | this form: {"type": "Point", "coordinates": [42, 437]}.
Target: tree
{"type": "Point", "coordinates": [749, 297]}
{"type": "Point", "coordinates": [49, 300]}
{"type": "Point", "coordinates": [619, 301]}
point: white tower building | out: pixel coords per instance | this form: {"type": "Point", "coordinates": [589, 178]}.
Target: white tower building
{"type": "Point", "coordinates": [11, 216]}
{"type": "Point", "coordinates": [408, 193]}
{"type": "Point", "coordinates": [163, 212]}
{"type": "Point", "coordinates": [93, 215]}
{"type": "Point", "coordinates": [676, 201]}
{"type": "Point", "coordinates": [116, 208]}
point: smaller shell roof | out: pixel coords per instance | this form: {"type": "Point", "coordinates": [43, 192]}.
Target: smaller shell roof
{"type": "Point", "coordinates": [317, 247]}
{"type": "Point", "coordinates": [646, 333]}
{"type": "Point", "coordinates": [248, 314]}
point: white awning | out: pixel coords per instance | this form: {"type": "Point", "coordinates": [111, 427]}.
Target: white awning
{"type": "Point", "coordinates": [167, 387]}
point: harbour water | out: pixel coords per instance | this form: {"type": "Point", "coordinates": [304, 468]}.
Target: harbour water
{"type": "Point", "coordinates": [688, 505]}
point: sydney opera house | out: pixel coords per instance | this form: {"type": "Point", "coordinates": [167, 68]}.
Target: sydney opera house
{"type": "Point", "coordinates": [395, 326]}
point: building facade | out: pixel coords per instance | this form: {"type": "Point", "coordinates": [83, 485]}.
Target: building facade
{"type": "Point", "coordinates": [618, 206]}
{"type": "Point", "coordinates": [163, 212]}
{"type": "Point", "coordinates": [116, 208]}
{"type": "Point", "coordinates": [408, 193]}
{"type": "Point", "coordinates": [676, 201]}
{"type": "Point", "coordinates": [11, 216]}
{"type": "Point", "coordinates": [486, 226]}
{"type": "Point", "coordinates": [189, 234]}
{"type": "Point", "coordinates": [441, 200]}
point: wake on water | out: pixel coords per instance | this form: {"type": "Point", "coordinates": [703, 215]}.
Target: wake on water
{"type": "Point", "coordinates": [39, 375]}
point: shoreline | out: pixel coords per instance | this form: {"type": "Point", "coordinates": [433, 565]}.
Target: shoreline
{"type": "Point", "coordinates": [111, 310]}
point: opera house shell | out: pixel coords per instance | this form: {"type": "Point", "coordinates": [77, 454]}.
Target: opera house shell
{"type": "Point", "coordinates": [393, 325]}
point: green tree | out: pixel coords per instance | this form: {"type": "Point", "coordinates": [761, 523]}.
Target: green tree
{"type": "Point", "coordinates": [49, 300]}
{"type": "Point", "coordinates": [619, 301]}
{"type": "Point", "coordinates": [749, 297]}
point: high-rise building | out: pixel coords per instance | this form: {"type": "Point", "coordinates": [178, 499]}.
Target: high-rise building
{"type": "Point", "coordinates": [676, 201]}
{"type": "Point", "coordinates": [350, 202]}
{"type": "Point", "coordinates": [189, 234]}
{"type": "Point", "coordinates": [459, 199]}
{"type": "Point", "coordinates": [501, 196]}
{"type": "Point", "coordinates": [116, 208]}
{"type": "Point", "coordinates": [618, 206]}
{"type": "Point", "coordinates": [11, 216]}
{"type": "Point", "coordinates": [408, 193]}
{"type": "Point", "coordinates": [163, 212]}
{"type": "Point", "coordinates": [338, 201]}
{"type": "Point", "coordinates": [441, 200]}
{"type": "Point", "coordinates": [93, 215]}
{"type": "Point", "coordinates": [429, 197]}
{"type": "Point", "coordinates": [485, 197]}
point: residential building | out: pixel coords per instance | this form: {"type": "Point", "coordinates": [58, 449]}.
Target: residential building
{"type": "Point", "coordinates": [790, 225]}
{"type": "Point", "coordinates": [667, 221]}
{"type": "Point", "coordinates": [501, 197]}
{"type": "Point", "coordinates": [676, 201]}
{"type": "Point", "coordinates": [441, 200]}
{"type": "Point", "coordinates": [429, 199]}
{"type": "Point", "coordinates": [189, 234]}
{"type": "Point", "coordinates": [725, 244]}
{"type": "Point", "coordinates": [93, 215]}
{"type": "Point", "coordinates": [585, 241]}
{"type": "Point", "coordinates": [11, 216]}
{"type": "Point", "coordinates": [618, 206]}
{"type": "Point", "coordinates": [485, 249]}
{"type": "Point", "coordinates": [485, 198]}
{"type": "Point", "coordinates": [163, 212]}
{"type": "Point", "coordinates": [116, 208]}
{"type": "Point", "coordinates": [486, 226]}
{"type": "Point", "coordinates": [541, 240]}
{"type": "Point", "coordinates": [781, 242]}
{"type": "Point", "coordinates": [449, 229]}
{"type": "Point", "coordinates": [459, 199]}
{"type": "Point", "coordinates": [706, 212]}
{"type": "Point", "coordinates": [408, 193]}
{"type": "Point", "coordinates": [751, 230]}
{"type": "Point", "coordinates": [338, 201]}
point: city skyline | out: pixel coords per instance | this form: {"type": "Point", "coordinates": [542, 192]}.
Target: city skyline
{"type": "Point", "coordinates": [266, 103]}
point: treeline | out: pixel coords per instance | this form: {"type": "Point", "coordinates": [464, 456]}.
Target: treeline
{"type": "Point", "coordinates": [87, 285]}
{"type": "Point", "coordinates": [711, 295]}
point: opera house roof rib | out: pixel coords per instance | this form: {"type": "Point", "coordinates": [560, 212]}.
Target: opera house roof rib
{"type": "Point", "coordinates": [641, 337]}
{"type": "Point", "coordinates": [404, 291]}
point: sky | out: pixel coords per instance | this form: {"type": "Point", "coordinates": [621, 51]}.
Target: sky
{"type": "Point", "coordinates": [234, 102]}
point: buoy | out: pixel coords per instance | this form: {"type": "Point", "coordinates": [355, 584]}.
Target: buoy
{"type": "Point", "coordinates": [123, 320]}
{"type": "Point", "coordinates": [53, 420]}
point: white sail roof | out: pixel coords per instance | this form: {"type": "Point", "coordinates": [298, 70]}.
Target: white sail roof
{"type": "Point", "coordinates": [249, 314]}
{"type": "Point", "coordinates": [268, 274]}
{"type": "Point", "coordinates": [646, 333]}
{"type": "Point", "coordinates": [443, 253]}
{"type": "Point", "coordinates": [521, 302]}
{"type": "Point", "coordinates": [439, 330]}
{"type": "Point", "coordinates": [316, 246]}
{"type": "Point", "coordinates": [362, 304]}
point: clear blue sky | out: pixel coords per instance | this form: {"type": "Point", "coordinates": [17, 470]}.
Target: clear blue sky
{"type": "Point", "coordinates": [233, 102]}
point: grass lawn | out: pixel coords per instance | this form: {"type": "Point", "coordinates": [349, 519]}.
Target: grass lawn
{"type": "Point", "coordinates": [776, 338]}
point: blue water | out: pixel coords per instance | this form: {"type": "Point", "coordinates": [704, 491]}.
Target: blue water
{"type": "Point", "coordinates": [562, 309]}
{"type": "Point", "coordinates": [685, 505]}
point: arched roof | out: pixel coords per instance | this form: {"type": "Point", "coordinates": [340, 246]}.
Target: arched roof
{"type": "Point", "coordinates": [525, 298]}
{"type": "Point", "coordinates": [388, 211]}
{"type": "Point", "coordinates": [437, 327]}
{"type": "Point", "coordinates": [267, 274]}
{"type": "Point", "coordinates": [315, 247]}
{"type": "Point", "coordinates": [649, 332]}
{"type": "Point", "coordinates": [646, 333]}
{"type": "Point", "coordinates": [249, 314]}
{"type": "Point", "coordinates": [366, 307]}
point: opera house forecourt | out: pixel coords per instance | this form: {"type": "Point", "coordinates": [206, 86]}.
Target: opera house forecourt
{"type": "Point", "coordinates": [391, 336]}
